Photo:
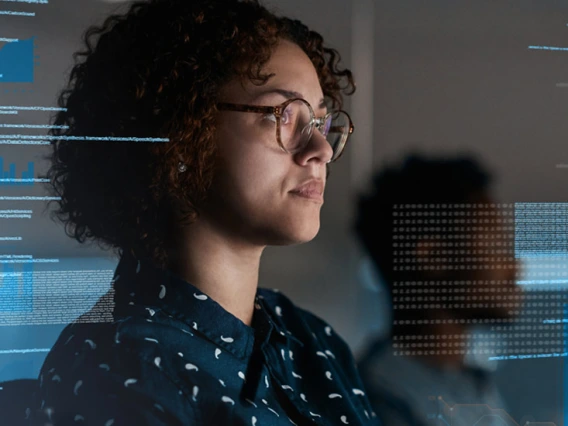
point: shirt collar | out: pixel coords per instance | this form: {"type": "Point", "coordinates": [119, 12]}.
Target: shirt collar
{"type": "Point", "coordinates": [268, 301]}
{"type": "Point", "coordinates": [140, 282]}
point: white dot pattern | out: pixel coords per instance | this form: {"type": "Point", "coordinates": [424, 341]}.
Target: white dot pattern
{"type": "Point", "coordinates": [206, 370]}
{"type": "Point", "coordinates": [227, 399]}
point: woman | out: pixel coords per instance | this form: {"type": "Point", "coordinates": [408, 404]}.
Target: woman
{"type": "Point", "coordinates": [241, 98]}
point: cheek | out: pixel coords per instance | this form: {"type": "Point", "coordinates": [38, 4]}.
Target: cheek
{"type": "Point", "coordinates": [249, 167]}
{"type": "Point", "coordinates": [261, 179]}
{"type": "Point", "coordinates": [252, 175]}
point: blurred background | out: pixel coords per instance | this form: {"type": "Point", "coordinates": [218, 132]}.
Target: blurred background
{"type": "Point", "coordinates": [485, 78]}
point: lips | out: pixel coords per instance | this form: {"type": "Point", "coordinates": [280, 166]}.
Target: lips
{"type": "Point", "coordinates": [312, 189]}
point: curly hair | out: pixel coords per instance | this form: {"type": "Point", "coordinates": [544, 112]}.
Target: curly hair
{"type": "Point", "coordinates": [156, 71]}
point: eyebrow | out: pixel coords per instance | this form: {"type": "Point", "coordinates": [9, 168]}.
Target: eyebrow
{"type": "Point", "coordinates": [290, 94]}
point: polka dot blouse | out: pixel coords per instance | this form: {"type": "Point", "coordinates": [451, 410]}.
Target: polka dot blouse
{"type": "Point", "coordinates": [174, 356]}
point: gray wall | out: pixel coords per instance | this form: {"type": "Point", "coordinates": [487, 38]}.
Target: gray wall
{"type": "Point", "coordinates": [458, 76]}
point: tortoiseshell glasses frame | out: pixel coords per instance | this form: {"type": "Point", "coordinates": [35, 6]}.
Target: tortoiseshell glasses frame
{"type": "Point", "coordinates": [322, 124]}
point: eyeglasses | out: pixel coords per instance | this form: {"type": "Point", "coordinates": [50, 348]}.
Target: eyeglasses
{"type": "Point", "coordinates": [295, 123]}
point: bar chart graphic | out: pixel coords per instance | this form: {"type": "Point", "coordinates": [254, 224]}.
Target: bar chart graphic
{"type": "Point", "coordinates": [8, 175]}
{"type": "Point", "coordinates": [17, 61]}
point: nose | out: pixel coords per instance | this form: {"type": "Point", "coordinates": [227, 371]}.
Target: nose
{"type": "Point", "coordinates": [317, 149]}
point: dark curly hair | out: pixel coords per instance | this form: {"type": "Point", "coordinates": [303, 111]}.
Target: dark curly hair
{"type": "Point", "coordinates": [156, 72]}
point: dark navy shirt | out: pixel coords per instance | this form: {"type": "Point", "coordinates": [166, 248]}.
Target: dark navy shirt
{"type": "Point", "coordinates": [174, 356]}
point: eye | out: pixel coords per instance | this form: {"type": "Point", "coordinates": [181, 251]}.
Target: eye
{"type": "Point", "coordinates": [287, 115]}
{"type": "Point", "coordinates": [270, 117]}
{"type": "Point", "coordinates": [326, 126]}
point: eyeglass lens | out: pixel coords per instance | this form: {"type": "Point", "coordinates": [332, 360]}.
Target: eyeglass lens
{"type": "Point", "coordinates": [296, 128]}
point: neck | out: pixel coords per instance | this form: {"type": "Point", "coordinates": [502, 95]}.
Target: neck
{"type": "Point", "coordinates": [223, 268]}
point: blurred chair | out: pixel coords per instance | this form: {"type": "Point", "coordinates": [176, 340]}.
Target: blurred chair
{"type": "Point", "coordinates": [16, 401]}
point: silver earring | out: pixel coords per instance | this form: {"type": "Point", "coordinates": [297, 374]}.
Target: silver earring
{"type": "Point", "coordinates": [182, 167]}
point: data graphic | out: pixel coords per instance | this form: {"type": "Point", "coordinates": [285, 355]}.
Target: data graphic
{"type": "Point", "coordinates": [16, 286]}
{"type": "Point", "coordinates": [491, 240]}
{"type": "Point", "coordinates": [460, 414]}
{"type": "Point", "coordinates": [18, 60]}
{"type": "Point", "coordinates": [25, 139]}
{"type": "Point", "coordinates": [8, 175]}
{"type": "Point", "coordinates": [43, 291]}
{"type": "Point", "coordinates": [541, 230]}
{"type": "Point", "coordinates": [18, 57]}
{"type": "Point", "coordinates": [549, 48]}
{"type": "Point", "coordinates": [10, 242]}
{"type": "Point", "coordinates": [561, 85]}
{"type": "Point", "coordinates": [50, 292]}
{"type": "Point", "coordinates": [565, 366]}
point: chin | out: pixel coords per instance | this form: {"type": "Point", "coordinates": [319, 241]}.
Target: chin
{"type": "Point", "coordinates": [295, 235]}
{"type": "Point", "coordinates": [307, 237]}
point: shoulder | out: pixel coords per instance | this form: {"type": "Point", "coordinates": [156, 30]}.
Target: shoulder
{"type": "Point", "coordinates": [318, 324]}
{"type": "Point", "coordinates": [319, 328]}
{"type": "Point", "coordinates": [282, 306]}
{"type": "Point", "coordinates": [276, 299]}
{"type": "Point", "coordinates": [139, 339]}
{"type": "Point", "coordinates": [116, 364]}
{"type": "Point", "coordinates": [313, 330]}
{"type": "Point", "coordinates": [89, 351]}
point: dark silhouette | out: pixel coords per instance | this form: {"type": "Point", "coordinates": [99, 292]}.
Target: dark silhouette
{"type": "Point", "coordinates": [422, 227]}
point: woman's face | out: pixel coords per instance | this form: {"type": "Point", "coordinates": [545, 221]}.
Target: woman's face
{"type": "Point", "coordinates": [252, 198]}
